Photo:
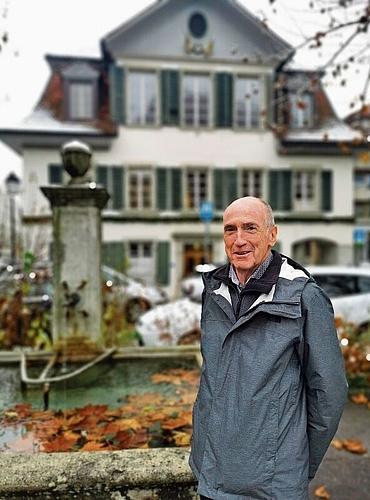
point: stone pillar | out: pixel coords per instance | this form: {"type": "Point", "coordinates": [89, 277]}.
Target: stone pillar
{"type": "Point", "coordinates": [76, 252]}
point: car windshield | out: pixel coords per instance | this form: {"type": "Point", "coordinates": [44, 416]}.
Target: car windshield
{"type": "Point", "coordinates": [114, 277]}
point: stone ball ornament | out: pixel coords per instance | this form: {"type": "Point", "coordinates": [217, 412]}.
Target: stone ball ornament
{"type": "Point", "coordinates": [76, 158]}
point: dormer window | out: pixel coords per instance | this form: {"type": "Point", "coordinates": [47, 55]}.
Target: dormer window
{"type": "Point", "coordinates": [302, 110]}
{"type": "Point", "coordinates": [81, 101]}
{"type": "Point", "coordinates": [80, 84]}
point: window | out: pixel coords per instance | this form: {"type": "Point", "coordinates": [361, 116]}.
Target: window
{"type": "Point", "coordinates": [337, 285]}
{"type": "Point", "coordinates": [80, 87]}
{"type": "Point", "coordinates": [305, 191]}
{"type": "Point", "coordinates": [141, 261]}
{"type": "Point", "coordinates": [363, 284]}
{"type": "Point", "coordinates": [143, 98]}
{"type": "Point", "coordinates": [197, 25]}
{"type": "Point", "coordinates": [140, 189]}
{"type": "Point", "coordinates": [81, 100]}
{"type": "Point", "coordinates": [196, 188]}
{"type": "Point", "coordinates": [197, 100]}
{"type": "Point", "coordinates": [55, 173]}
{"type": "Point", "coordinates": [362, 210]}
{"type": "Point", "coordinates": [362, 180]}
{"type": "Point", "coordinates": [251, 183]}
{"type": "Point", "coordinates": [301, 110]}
{"type": "Point", "coordinates": [248, 102]}
{"type": "Point", "coordinates": [300, 190]}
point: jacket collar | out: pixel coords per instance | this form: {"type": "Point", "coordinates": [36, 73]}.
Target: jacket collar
{"type": "Point", "coordinates": [262, 285]}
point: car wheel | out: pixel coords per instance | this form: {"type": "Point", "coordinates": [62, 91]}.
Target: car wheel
{"type": "Point", "coordinates": [190, 338]}
{"type": "Point", "coordinates": [134, 309]}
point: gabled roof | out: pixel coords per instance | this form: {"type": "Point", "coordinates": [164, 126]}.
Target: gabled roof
{"type": "Point", "coordinates": [332, 138]}
{"type": "Point", "coordinates": [41, 128]}
{"type": "Point", "coordinates": [233, 33]}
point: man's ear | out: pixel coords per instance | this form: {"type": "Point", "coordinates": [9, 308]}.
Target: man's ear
{"type": "Point", "coordinates": [273, 235]}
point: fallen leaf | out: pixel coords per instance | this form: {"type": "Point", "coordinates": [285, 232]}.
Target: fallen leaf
{"type": "Point", "coordinates": [95, 410]}
{"type": "Point", "coordinates": [60, 443]}
{"type": "Point", "coordinates": [128, 423]}
{"type": "Point", "coordinates": [175, 423]}
{"type": "Point", "coordinates": [354, 446]}
{"type": "Point", "coordinates": [321, 492]}
{"type": "Point", "coordinates": [359, 399]}
{"type": "Point", "coordinates": [94, 446]}
{"type": "Point", "coordinates": [131, 439]}
{"type": "Point", "coordinates": [337, 444]}
{"type": "Point", "coordinates": [181, 438]}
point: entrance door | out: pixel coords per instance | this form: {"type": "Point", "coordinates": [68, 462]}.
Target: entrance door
{"type": "Point", "coordinates": [193, 255]}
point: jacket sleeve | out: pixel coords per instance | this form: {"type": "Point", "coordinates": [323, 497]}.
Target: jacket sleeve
{"type": "Point", "coordinates": [325, 377]}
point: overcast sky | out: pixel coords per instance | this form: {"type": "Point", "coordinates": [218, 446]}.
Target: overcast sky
{"type": "Point", "coordinates": [75, 27]}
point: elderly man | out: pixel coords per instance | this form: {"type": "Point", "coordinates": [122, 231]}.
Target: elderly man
{"type": "Point", "coordinates": [273, 383]}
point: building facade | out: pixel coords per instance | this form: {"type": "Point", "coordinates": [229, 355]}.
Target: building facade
{"type": "Point", "coordinates": [191, 105]}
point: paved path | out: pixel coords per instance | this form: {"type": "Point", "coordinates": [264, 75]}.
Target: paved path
{"type": "Point", "coordinates": [346, 476]}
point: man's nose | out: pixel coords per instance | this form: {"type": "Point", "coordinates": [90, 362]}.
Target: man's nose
{"type": "Point", "coordinates": [240, 238]}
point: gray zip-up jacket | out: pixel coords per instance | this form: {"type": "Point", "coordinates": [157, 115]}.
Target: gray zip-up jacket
{"type": "Point", "coordinates": [272, 387]}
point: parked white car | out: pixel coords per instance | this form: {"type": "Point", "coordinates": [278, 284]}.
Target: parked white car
{"type": "Point", "coordinates": [136, 297]}
{"type": "Point", "coordinates": [174, 323]}
{"type": "Point", "coordinates": [349, 291]}
{"type": "Point", "coordinates": [192, 286]}
{"type": "Point", "coordinates": [347, 287]}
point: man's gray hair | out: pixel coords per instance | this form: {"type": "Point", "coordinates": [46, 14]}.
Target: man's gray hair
{"type": "Point", "coordinates": [270, 220]}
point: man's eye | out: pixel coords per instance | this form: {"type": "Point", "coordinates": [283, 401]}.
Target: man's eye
{"type": "Point", "coordinates": [251, 229]}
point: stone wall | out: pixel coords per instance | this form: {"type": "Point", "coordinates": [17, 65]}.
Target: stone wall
{"type": "Point", "coordinates": [155, 474]}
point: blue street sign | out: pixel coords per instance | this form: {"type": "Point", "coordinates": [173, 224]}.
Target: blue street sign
{"type": "Point", "coordinates": [206, 211]}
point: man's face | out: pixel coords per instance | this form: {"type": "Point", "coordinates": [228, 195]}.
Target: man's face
{"type": "Point", "coordinates": [247, 238]}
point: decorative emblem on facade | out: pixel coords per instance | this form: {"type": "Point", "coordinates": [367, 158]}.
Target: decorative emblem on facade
{"type": "Point", "coordinates": [197, 48]}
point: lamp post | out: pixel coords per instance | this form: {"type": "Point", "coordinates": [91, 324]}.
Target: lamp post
{"type": "Point", "coordinates": [12, 183]}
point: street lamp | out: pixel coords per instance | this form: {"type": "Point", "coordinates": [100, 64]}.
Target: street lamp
{"type": "Point", "coordinates": [12, 183]}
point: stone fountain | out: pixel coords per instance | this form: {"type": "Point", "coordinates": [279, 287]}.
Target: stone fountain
{"type": "Point", "coordinates": [76, 252]}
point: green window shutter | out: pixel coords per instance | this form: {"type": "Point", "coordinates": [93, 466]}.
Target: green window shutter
{"type": "Point", "coordinates": [170, 85]}
{"type": "Point", "coordinates": [118, 188]}
{"type": "Point", "coordinates": [112, 178]}
{"type": "Point", "coordinates": [55, 174]}
{"type": "Point", "coordinates": [224, 187]}
{"type": "Point", "coordinates": [280, 192]}
{"type": "Point", "coordinates": [113, 255]}
{"type": "Point", "coordinates": [223, 99]}
{"type": "Point", "coordinates": [102, 175]}
{"type": "Point", "coordinates": [162, 189]}
{"type": "Point", "coordinates": [326, 191]}
{"type": "Point", "coordinates": [163, 263]}
{"type": "Point", "coordinates": [176, 188]}
{"type": "Point", "coordinates": [169, 189]}
{"type": "Point", "coordinates": [116, 94]}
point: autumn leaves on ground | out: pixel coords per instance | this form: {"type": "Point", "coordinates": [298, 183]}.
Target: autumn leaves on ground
{"type": "Point", "coordinates": [148, 420]}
